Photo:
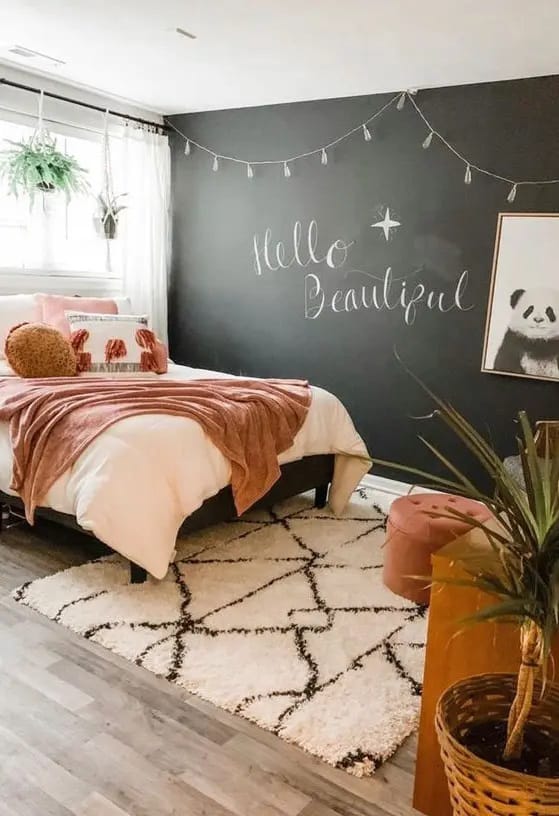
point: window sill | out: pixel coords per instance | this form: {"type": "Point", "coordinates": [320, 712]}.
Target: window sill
{"type": "Point", "coordinates": [28, 281]}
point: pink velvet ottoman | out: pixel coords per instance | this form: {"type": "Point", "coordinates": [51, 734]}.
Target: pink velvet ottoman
{"type": "Point", "coordinates": [412, 536]}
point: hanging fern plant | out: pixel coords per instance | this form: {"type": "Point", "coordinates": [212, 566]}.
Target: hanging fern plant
{"type": "Point", "coordinates": [36, 165]}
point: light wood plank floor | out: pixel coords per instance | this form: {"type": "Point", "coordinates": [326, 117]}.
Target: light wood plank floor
{"type": "Point", "coordinates": [84, 732]}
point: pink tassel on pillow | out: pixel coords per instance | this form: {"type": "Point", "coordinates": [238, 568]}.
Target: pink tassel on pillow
{"type": "Point", "coordinates": [146, 339]}
{"type": "Point", "coordinates": [161, 356]}
{"type": "Point", "coordinates": [114, 349]}
{"type": "Point", "coordinates": [83, 359]}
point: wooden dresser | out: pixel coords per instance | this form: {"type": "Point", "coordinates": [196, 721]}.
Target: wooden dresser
{"type": "Point", "coordinates": [452, 655]}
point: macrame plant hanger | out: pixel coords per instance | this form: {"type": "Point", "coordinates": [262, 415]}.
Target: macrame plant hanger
{"type": "Point", "coordinates": [39, 133]}
{"type": "Point", "coordinates": [40, 138]}
{"type": "Point", "coordinates": [107, 191]}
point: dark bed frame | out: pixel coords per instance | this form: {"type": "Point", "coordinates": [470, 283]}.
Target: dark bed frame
{"type": "Point", "coordinates": [311, 472]}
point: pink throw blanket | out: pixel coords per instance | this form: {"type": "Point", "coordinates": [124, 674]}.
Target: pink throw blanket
{"type": "Point", "coordinates": [53, 420]}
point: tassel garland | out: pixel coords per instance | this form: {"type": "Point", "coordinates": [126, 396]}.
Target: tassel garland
{"type": "Point", "coordinates": [399, 102]}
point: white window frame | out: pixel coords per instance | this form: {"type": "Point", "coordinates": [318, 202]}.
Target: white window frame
{"type": "Point", "coordinates": [67, 281]}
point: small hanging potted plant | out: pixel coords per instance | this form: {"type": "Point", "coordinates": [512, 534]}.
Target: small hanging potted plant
{"type": "Point", "coordinates": [36, 165]}
{"type": "Point", "coordinates": [108, 210]}
{"type": "Point", "coordinates": [499, 733]}
{"type": "Point", "coordinates": [107, 216]}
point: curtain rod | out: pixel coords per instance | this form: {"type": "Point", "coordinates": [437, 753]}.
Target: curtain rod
{"type": "Point", "coordinates": [80, 104]}
{"type": "Point", "coordinates": [49, 121]}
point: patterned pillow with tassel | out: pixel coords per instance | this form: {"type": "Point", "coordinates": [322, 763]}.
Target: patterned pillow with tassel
{"type": "Point", "coordinates": [115, 344]}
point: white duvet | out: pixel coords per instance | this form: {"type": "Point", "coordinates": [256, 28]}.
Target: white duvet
{"type": "Point", "coordinates": [138, 481]}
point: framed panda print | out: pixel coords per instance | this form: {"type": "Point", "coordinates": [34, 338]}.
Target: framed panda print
{"type": "Point", "coordinates": [522, 328]}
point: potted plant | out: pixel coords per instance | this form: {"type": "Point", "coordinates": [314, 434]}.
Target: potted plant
{"type": "Point", "coordinates": [499, 734]}
{"type": "Point", "coordinates": [106, 219]}
{"type": "Point", "coordinates": [36, 165]}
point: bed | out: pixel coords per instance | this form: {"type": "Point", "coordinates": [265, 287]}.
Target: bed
{"type": "Point", "coordinates": [137, 502]}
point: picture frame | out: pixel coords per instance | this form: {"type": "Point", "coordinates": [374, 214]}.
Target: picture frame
{"type": "Point", "coordinates": [522, 322]}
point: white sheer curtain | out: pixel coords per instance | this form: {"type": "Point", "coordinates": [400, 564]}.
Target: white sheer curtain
{"type": "Point", "coordinates": [146, 178]}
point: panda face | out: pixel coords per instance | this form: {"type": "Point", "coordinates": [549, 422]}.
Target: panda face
{"type": "Point", "coordinates": [535, 313]}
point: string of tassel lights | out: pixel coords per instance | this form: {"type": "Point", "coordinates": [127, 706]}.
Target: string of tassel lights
{"type": "Point", "coordinates": [367, 132]}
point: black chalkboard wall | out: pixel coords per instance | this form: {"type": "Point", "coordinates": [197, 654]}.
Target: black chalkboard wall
{"type": "Point", "coordinates": [227, 313]}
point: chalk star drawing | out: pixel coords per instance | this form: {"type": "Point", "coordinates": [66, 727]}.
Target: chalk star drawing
{"type": "Point", "coordinates": [386, 224]}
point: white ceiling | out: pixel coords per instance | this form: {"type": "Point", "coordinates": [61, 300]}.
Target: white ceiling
{"type": "Point", "coordinates": [256, 52]}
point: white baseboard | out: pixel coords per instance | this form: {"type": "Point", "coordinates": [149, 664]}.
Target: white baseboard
{"type": "Point", "coordinates": [392, 486]}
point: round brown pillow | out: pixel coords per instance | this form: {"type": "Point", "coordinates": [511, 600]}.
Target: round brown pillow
{"type": "Point", "coordinates": [38, 350]}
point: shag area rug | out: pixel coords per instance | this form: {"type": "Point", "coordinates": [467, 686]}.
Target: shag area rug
{"type": "Point", "coordinates": [281, 618]}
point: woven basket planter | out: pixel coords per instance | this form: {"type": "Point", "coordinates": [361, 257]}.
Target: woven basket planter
{"type": "Point", "coordinates": [477, 787]}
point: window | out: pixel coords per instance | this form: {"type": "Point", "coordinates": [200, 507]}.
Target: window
{"type": "Point", "coordinates": [55, 237]}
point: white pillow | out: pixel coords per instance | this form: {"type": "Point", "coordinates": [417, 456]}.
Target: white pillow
{"type": "Point", "coordinates": [111, 343]}
{"type": "Point", "coordinates": [15, 309]}
{"type": "Point", "coordinates": [6, 370]}
{"type": "Point", "coordinates": [123, 305]}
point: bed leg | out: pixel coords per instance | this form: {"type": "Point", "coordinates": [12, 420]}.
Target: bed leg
{"type": "Point", "coordinates": [138, 575]}
{"type": "Point", "coordinates": [321, 496]}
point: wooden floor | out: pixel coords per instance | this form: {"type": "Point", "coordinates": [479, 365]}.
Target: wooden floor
{"type": "Point", "coordinates": [84, 732]}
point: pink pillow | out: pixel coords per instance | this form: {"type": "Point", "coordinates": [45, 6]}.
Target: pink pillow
{"type": "Point", "coordinates": [53, 308]}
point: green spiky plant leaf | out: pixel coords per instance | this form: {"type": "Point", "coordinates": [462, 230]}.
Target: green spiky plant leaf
{"type": "Point", "coordinates": [36, 165]}
{"type": "Point", "coordinates": [521, 566]}
{"type": "Point", "coordinates": [109, 206]}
